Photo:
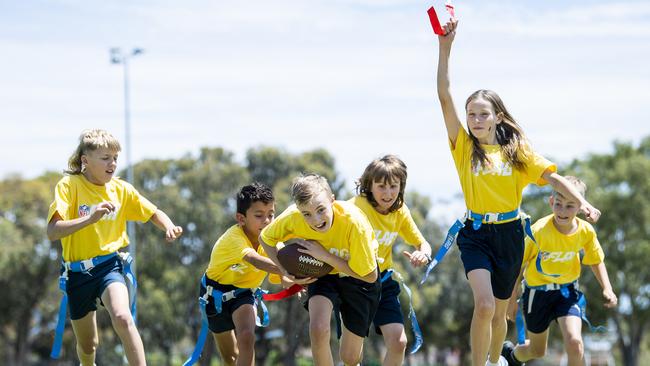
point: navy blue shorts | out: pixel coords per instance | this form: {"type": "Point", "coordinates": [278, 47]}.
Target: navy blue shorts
{"type": "Point", "coordinates": [222, 322]}
{"type": "Point", "coordinates": [389, 310]}
{"type": "Point", "coordinates": [356, 299]}
{"type": "Point", "coordinates": [498, 248]}
{"type": "Point", "coordinates": [85, 289]}
{"type": "Point", "coordinates": [542, 307]}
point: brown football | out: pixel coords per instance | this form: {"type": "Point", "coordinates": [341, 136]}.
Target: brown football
{"type": "Point", "coordinates": [299, 264]}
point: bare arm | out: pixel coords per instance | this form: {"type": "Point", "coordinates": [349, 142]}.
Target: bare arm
{"type": "Point", "coordinates": [317, 251]}
{"type": "Point", "coordinates": [58, 228]}
{"type": "Point", "coordinates": [261, 262]}
{"type": "Point", "coordinates": [600, 272]}
{"type": "Point", "coordinates": [511, 313]}
{"type": "Point", "coordinates": [162, 221]}
{"type": "Point", "coordinates": [560, 184]}
{"type": "Point", "coordinates": [452, 122]}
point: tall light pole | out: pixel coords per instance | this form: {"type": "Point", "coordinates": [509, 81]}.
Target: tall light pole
{"type": "Point", "coordinates": [117, 57]}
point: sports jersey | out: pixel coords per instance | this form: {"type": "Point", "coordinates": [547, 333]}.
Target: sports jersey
{"type": "Point", "coordinates": [387, 227]}
{"type": "Point", "coordinates": [496, 188]}
{"type": "Point", "coordinates": [560, 252]}
{"type": "Point", "coordinates": [75, 197]}
{"type": "Point", "coordinates": [351, 237]}
{"type": "Point", "coordinates": [227, 265]}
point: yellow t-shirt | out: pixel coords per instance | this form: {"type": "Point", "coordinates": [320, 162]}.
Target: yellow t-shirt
{"type": "Point", "coordinates": [227, 264]}
{"type": "Point", "coordinates": [351, 237]}
{"type": "Point", "coordinates": [75, 196]}
{"type": "Point", "coordinates": [560, 252]}
{"type": "Point", "coordinates": [387, 227]}
{"type": "Point", "coordinates": [497, 188]}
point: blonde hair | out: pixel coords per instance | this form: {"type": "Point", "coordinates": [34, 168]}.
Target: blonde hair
{"type": "Point", "coordinates": [90, 140]}
{"type": "Point", "coordinates": [386, 169]}
{"type": "Point", "coordinates": [305, 187]}
{"type": "Point", "coordinates": [509, 134]}
{"type": "Point", "coordinates": [579, 185]}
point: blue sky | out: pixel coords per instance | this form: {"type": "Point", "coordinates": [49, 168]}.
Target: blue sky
{"type": "Point", "coordinates": [356, 77]}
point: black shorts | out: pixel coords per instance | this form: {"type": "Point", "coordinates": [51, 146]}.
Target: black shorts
{"type": "Point", "coordinates": [222, 322]}
{"type": "Point", "coordinates": [389, 310]}
{"type": "Point", "coordinates": [85, 289]}
{"type": "Point", "coordinates": [498, 248]}
{"type": "Point", "coordinates": [356, 299]}
{"type": "Point", "coordinates": [542, 307]}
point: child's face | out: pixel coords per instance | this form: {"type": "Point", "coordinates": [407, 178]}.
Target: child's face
{"type": "Point", "coordinates": [385, 193]}
{"type": "Point", "coordinates": [257, 217]}
{"type": "Point", "coordinates": [482, 121]}
{"type": "Point", "coordinates": [100, 165]}
{"type": "Point", "coordinates": [318, 212]}
{"type": "Point", "coordinates": [564, 209]}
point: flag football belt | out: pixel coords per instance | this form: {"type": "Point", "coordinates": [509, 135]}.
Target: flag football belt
{"type": "Point", "coordinates": [564, 290]}
{"type": "Point", "coordinates": [477, 221]}
{"type": "Point", "coordinates": [221, 297]}
{"type": "Point", "coordinates": [417, 332]}
{"type": "Point", "coordinates": [85, 266]}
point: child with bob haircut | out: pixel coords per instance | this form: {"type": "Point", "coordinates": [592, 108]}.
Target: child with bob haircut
{"type": "Point", "coordinates": [561, 237]}
{"type": "Point", "coordinates": [381, 197]}
{"type": "Point", "coordinates": [238, 266]}
{"type": "Point", "coordinates": [89, 213]}
{"type": "Point", "coordinates": [495, 162]}
{"type": "Point", "coordinates": [340, 235]}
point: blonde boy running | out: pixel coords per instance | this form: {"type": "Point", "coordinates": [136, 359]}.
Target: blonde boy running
{"type": "Point", "coordinates": [341, 236]}
{"type": "Point", "coordinates": [561, 237]}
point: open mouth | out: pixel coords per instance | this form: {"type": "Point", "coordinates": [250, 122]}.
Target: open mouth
{"type": "Point", "coordinates": [321, 226]}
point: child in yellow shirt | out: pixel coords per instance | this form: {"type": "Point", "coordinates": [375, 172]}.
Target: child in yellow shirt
{"type": "Point", "coordinates": [560, 238]}
{"type": "Point", "coordinates": [340, 235]}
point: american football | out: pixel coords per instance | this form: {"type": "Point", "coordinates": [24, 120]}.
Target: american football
{"type": "Point", "coordinates": [299, 264]}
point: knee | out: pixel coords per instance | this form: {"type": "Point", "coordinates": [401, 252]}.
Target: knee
{"type": "Point", "coordinates": [484, 309]}
{"type": "Point", "coordinates": [319, 332]}
{"type": "Point", "coordinates": [88, 346]}
{"type": "Point", "coordinates": [229, 357]}
{"type": "Point", "coordinates": [350, 357]}
{"type": "Point", "coordinates": [123, 320]}
{"type": "Point", "coordinates": [396, 345]}
{"type": "Point", "coordinates": [575, 346]}
{"type": "Point", "coordinates": [246, 339]}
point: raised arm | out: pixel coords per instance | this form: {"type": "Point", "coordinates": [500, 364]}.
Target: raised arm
{"type": "Point", "coordinates": [560, 184]}
{"type": "Point", "coordinates": [448, 109]}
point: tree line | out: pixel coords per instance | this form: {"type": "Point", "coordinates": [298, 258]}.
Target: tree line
{"type": "Point", "coordinates": [198, 192]}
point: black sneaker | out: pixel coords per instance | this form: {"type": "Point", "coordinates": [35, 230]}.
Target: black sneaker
{"type": "Point", "coordinates": [507, 352]}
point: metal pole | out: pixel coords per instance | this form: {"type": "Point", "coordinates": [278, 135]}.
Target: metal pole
{"type": "Point", "coordinates": [130, 225]}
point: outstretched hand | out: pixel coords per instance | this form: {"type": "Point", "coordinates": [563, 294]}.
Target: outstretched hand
{"type": "Point", "coordinates": [173, 233]}
{"type": "Point", "coordinates": [417, 258]}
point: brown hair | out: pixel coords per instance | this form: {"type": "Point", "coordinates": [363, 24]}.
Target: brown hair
{"type": "Point", "coordinates": [386, 169]}
{"type": "Point", "coordinates": [510, 135]}
{"type": "Point", "coordinates": [90, 140]}
{"type": "Point", "coordinates": [306, 186]}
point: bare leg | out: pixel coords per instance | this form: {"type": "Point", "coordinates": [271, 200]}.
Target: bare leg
{"type": "Point", "coordinates": [571, 327]}
{"type": "Point", "coordinates": [534, 348]}
{"type": "Point", "coordinates": [395, 340]}
{"type": "Point", "coordinates": [85, 331]}
{"type": "Point", "coordinates": [484, 309]}
{"type": "Point", "coordinates": [227, 345]}
{"type": "Point", "coordinates": [499, 329]}
{"type": "Point", "coordinates": [116, 300]}
{"type": "Point", "coordinates": [320, 314]}
{"type": "Point", "coordinates": [244, 319]}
